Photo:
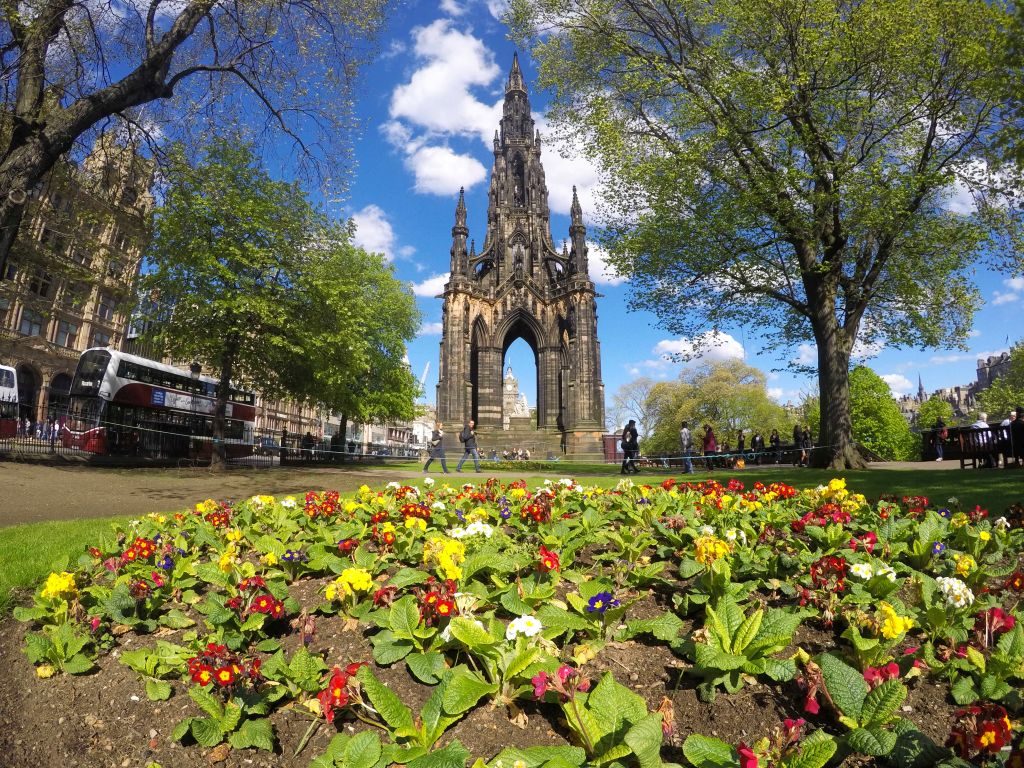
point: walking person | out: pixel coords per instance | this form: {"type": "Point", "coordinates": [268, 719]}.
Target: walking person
{"type": "Point", "coordinates": [468, 439]}
{"type": "Point", "coordinates": [630, 448]}
{"type": "Point", "coordinates": [939, 435]}
{"type": "Point", "coordinates": [436, 448]}
{"type": "Point", "coordinates": [775, 443]}
{"type": "Point", "coordinates": [686, 446]}
{"type": "Point", "coordinates": [710, 446]}
{"type": "Point", "coordinates": [806, 443]}
{"type": "Point", "coordinates": [757, 447]}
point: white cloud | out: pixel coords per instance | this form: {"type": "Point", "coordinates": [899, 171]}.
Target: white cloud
{"type": "Point", "coordinates": [713, 348]}
{"type": "Point", "coordinates": [430, 287]}
{"type": "Point", "coordinates": [806, 354]}
{"type": "Point", "coordinates": [1015, 283]}
{"type": "Point", "coordinates": [898, 384]}
{"type": "Point", "coordinates": [973, 333]}
{"type": "Point", "coordinates": [452, 8]}
{"type": "Point", "coordinates": [498, 8]}
{"type": "Point", "coordinates": [601, 272]}
{"type": "Point", "coordinates": [948, 359]}
{"type": "Point", "coordinates": [440, 171]}
{"type": "Point", "coordinates": [1015, 286]}
{"type": "Point", "coordinates": [431, 329]}
{"type": "Point", "coordinates": [775, 393]}
{"type": "Point", "coordinates": [375, 233]}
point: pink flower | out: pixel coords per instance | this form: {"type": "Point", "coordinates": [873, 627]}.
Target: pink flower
{"type": "Point", "coordinates": [875, 676]}
{"type": "Point", "coordinates": [747, 757]}
{"type": "Point", "coordinates": [811, 705]}
{"type": "Point", "coordinates": [540, 684]}
{"type": "Point", "coordinates": [792, 729]}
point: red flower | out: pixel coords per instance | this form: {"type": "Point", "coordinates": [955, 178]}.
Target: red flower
{"type": "Point", "coordinates": [867, 540]}
{"type": "Point", "coordinates": [347, 546]}
{"type": "Point", "coordinates": [980, 729]}
{"type": "Point", "coordinates": [747, 757]}
{"type": "Point", "coordinates": [444, 608]}
{"type": "Point", "coordinates": [202, 674]}
{"type": "Point", "coordinates": [334, 696]}
{"type": "Point", "coordinates": [875, 676]}
{"type": "Point", "coordinates": [548, 560]}
{"type": "Point", "coordinates": [225, 676]}
{"type": "Point", "coordinates": [1015, 582]}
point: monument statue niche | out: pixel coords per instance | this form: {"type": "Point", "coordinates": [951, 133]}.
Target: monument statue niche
{"type": "Point", "coordinates": [520, 287]}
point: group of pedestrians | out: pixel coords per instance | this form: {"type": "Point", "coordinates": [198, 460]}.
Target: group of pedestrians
{"type": "Point", "coordinates": [759, 452]}
{"type": "Point", "coordinates": [468, 439]}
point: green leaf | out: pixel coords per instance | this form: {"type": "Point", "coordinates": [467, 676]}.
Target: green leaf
{"type": "Point", "coordinates": [158, 690]}
{"type": "Point", "coordinates": [470, 634]}
{"type": "Point", "coordinates": [306, 668]}
{"type": "Point", "coordinates": [815, 750]}
{"type": "Point", "coordinates": [664, 627]}
{"type": "Point", "coordinates": [710, 657]}
{"type": "Point", "coordinates": [32, 613]}
{"type": "Point", "coordinates": [644, 739]}
{"type": "Point", "coordinates": [535, 757]}
{"type": "Point", "coordinates": [206, 701]}
{"type": "Point", "coordinates": [613, 705]}
{"type": "Point", "coordinates": [871, 741]}
{"type": "Point", "coordinates": [363, 751]}
{"type": "Point", "coordinates": [78, 664]}
{"type": "Point", "coordinates": [181, 729]}
{"type": "Point", "coordinates": [747, 631]}
{"type": "Point", "coordinates": [464, 690]}
{"type": "Point", "coordinates": [780, 670]}
{"type": "Point", "coordinates": [387, 653]}
{"type": "Point", "coordinates": [963, 691]}
{"type": "Point", "coordinates": [404, 618]}
{"type": "Point", "coordinates": [176, 619]}
{"type": "Point", "coordinates": [406, 577]}
{"type": "Point", "coordinates": [993, 687]}
{"type": "Point", "coordinates": [1012, 643]}
{"type": "Point", "coordinates": [882, 702]}
{"type": "Point", "coordinates": [916, 750]}
{"type": "Point", "coordinates": [514, 604]}
{"type": "Point", "coordinates": [708, 752]}
{"type": "Point", "coordinates": [452, 756]}
{"type": "Point", "coordinates": [142, 660]}
{"type": "Point", "coordinates": [426, 667]}
{"type": "Point", "coordinates": [844, 684]}
{"type": "Point", "coordinates": [206, 731]}
{"type": "Point", "coordinates": [232, 716]}
{"type": "Point", "coordinates": [257, 732]}
{"type": "Point", "coordinates": [384, 700]}
{"type": "Point", "coordinates": [521, 661]}
{"type": "Point", "coordinates": [38, 647]}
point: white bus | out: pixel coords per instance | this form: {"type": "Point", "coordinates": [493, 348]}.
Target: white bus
{"type": "Point", "coordinates": [8, 401]}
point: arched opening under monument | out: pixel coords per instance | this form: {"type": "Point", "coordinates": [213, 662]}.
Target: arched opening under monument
{"type": "Point", "coordinates": [519, 383]}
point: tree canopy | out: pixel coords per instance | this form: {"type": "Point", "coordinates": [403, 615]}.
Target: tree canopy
{"type": "Point", "coordinates": [791, 165]}
{"type": "Point", "coordinates": [278, 67]}
{"type": "Point", "coordinates": [931, 410]}
{"type": "Point", "coordinates": [253, 282]}
{"type": "Point", "coordinates": [729, 395]}
{"type": "Point", "coordinates": [877, 421]}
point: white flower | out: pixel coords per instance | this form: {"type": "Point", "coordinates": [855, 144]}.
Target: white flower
{"type": "Point", "coordinates": [1002, 524]}
{"type": "Point", "coordinates": [956, 592]}
{"type": "Point", "coordinates": [479, 528]}
{"type": "Point", "coordinates": [953, 500]}
{"type": "Point", "coordinates": [734, 533]}
{"type": "Point", "coordinates": [428, 481]}
{"type": "Point", "coordinates": [886, 571]}
{"type": "Point", "coordinates": [393, 485]}
{"type": "Point", "coordinates": [458, 533]}
{"type": "Point", "coordinates": [527, 626]}
{"type": "Point", "coordinates": [707, 530]}
{"type": "Point", "coordinates": [438, 506]}
{"type": "Point", "coordinates": [567, 481]}
{"type": "Point", "coordinates": [861, 570]}
{"type": "Point", "coordinates": [288, 502]}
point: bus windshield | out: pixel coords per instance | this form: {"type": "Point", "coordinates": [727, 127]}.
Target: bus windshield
{"type": "Point", "coordinates": [6, 379]}
{"type": "Point", "coordinates": [90, 372]}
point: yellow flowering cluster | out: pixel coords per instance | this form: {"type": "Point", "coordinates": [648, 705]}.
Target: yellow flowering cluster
{"type": "Point", "coordinates": [964, 565]}
{"type": "Point", "coordinates": [710, 548]}
{"type": "Point", "coordinates": [893, 625]}
{"type": "Point", "coordinates": [262, 501]}
{"type": "Point", "coordinates": [416, 522]}
{"type": "Point", "coordinates": [446, 554]}
{"type": "Point", "coordinates": [984, 535]}
{"type": "Point", "coordinates": [269, 559]}
{"type": "Point", "coordinates": [60, 585]}
{"type": "Point", "coordinates": [517, 494]}
{"type": "Point", "coordinates": [158, 519]}
{"type": "Point", "coordinates": [203, 507]}
{"type": "Point", "coordinates": [477, 514]}
{"type": "Point", "coordinates": [229, 559]}
{"type": "Point", "coordinates": [352, 580]}
{"type": "Point", "coordinates": [959, 520]}
{"type": "Point", "coordinates": [836, 493]}
{"type": "Point", "coordinates": [234, 534]}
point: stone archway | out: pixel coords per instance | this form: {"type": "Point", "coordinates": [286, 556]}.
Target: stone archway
{"type": "Point", "coordinates": [30, 383]}
{"type": "Point", "coordinates": [58, 396]}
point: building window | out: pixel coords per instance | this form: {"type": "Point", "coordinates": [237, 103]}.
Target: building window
{"type": "Point", "coordinates": [67, 333]}
{"type": "Point", "coordinates": [5, 305]}
{"type": "Point", "coordinates": [41, 283]}
{"type": "Point", "coordinates": [31, 323]}
{"type": "Point", "coordinates": [105, 307]}
{"type": "Point", "coordinates": [82, 258]}
{"type": "Point", "coordinates": [100, 339]}
{"type": "Point", "coordinates": [11, 271]}
{"type": "Point", "coordinates": [115, 268]}
{"type": "Point", "coordinates": [122, 241]}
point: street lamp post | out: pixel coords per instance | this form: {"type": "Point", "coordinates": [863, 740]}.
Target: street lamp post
{"type": "Point", "coordinates": [194, 370]}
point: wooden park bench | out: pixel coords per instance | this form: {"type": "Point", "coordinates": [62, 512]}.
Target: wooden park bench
{"type": "Point", "coordinates": [980, 444]}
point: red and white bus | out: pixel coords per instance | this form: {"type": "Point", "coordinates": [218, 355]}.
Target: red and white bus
{"type": "Point", "coordinates": [9, 414]}
{"type": "Point", "coordinates": [125, 404]}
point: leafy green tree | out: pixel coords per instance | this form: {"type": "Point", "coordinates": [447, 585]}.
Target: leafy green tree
{"type": "Point", "coordinates": [281, 67]}
{"type": "Point", "coordinates": [787, 164]}
{"type": "Point", "coordinates": [728, 395]}
{"type": "Point", "coordinates": [630, 402]}
{"type": "Point", "coordinates": [877, 421]}
{"type": "Point", "coordinates": [931, 410]}
{"type": "Point", "coordinates": [262, 289]}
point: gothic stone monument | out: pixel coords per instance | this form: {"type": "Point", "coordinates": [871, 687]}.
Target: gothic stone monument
{"type": "Point", "coordinates": [519, 286]}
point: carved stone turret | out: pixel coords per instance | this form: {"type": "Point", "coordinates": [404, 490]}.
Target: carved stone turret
{"type": "Point", "coordinates": [520, 286]}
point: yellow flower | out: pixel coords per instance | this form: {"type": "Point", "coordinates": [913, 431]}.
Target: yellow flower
{"type": "Point", "coordinates": [477, 514]}
{"type": "Point", "coordinates": [269, 559]}
{"type": "Point", "coordinates": [228, 560]}
{"type": "Point", "coordinates": [60, 585]}
{"type": "Point", "coordinates": [234, 534]}
{"type": "Point", "coordinates": [44, 671]}
{"type": "Point", "coordinates": [352, 580]}
{"type": "Point", "coordinates": [446, 554]}
{"type": "Point", "coordinates": [416, 522]}
{"type": "Point", "coordinates": [984, 535]}
{"type": "Point", "coordinates": [160, 519]}
{"type": "Point", "coordinates": [710, 548]}
{"type": "Point", "coordinates": [959, 520]}
{"type": "Point", "coordinates": [965, 564]}
{"type": "Point", "coordinates": [837, 484]}
{"type": "Point", "coordinates": [351, 506]}
{"type": "Point", "coordinates": [206, 506]}
{"type": "Point", "coordinates": [517, 493]}
{"type": "Point", "coordinates": [387, 528]}
{"type": "Point", "coordinates": [893, 625]}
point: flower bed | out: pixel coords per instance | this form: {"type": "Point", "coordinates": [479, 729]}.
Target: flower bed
{"type": "Point", "coordinates": [568, 626]}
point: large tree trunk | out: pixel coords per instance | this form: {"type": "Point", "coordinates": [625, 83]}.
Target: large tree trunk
{"type": "Point", "coordinates": [218, 457]}
{"type": "Point", "coordinates": [836, 431]}
{"type": "Point", "coordinates": [343, 430]}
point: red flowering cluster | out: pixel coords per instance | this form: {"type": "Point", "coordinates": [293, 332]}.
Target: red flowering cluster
{"type": "Point", "coordinates": [866, 540]}
{"type": "Point", "coordinates": [406, 490]}
{"type": "Point", "coordinates": [437, 600]}
{"type": "Point", "coordinates": [669, 484]}
{"type": "Point", "coordinates": [339, 691]}
{"type": "Point", "coordinates": [989, 624]}
{"type": "Point", "coordinates": [139, 589]}
{"type": "Point", "coordinates": [980, 729]}
{"type": "Point", "coordinates": [748, 758]}
{"type": "Point", "coordinates": [916, 505]}
{"type": "Point", "coordinates": [822, 516]}
{"type": "Point", "coordinates": [219, 518]}
{"type": "Point", "coordinates": [216, 664]}
{"type": "Point", "coordinates": [875, 676]}
{"type": "Point", "coordinates": [252, 598]}
{"type": "Point", "coordinates": [385, 596]}
{"type": "Point", "coordinates": [321, 504]}
{"type": "Point", "coordinates": [538, 510]}
{"type": "Point", "coordinates": [1015, 581]}
{"type": "Point", "coordinates": [565, 682]}
{"type": "Point", "coordinates": [415, 510]}
{"type": "Point", "coordinates": [977, 514]}
{"type": "Point", "coordinates": [547, 561]}
{"type": "Point", "coordinates": [735, 485]}
{"type": "Point", "coordinates": [385, 539]}
{"type": "Point", "coordinates": [348, 546]}
{"type": "Point", "coordinates": [141, 549]}
{"type": "Point", "coordinates": [829, 573]}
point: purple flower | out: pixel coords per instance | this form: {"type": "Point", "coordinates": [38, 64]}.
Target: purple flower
{"type": "Point", "coordinates": [167, 563]}
{"type": "Point", "coordinates": [938, 548]}
{"type": "Point", "coordinates": [943, 512]}
{"type": "Point", "coordinates": [601, 602]}
{"type": "Point", "coordinates": [294, 556]}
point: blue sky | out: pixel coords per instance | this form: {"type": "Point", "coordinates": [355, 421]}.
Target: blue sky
{"type": "Point", "coordinates": [430, 104]}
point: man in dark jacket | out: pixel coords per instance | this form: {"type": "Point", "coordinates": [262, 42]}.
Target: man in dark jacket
{"type": "Point", "coordinates": [630, 444]}
{"type": "Point", "coordinates": [468, 439]}
{"type": "Point", "coordinates": [436, 448]}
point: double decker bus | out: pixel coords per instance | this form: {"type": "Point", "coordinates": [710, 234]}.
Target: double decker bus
{"type": "Point", "coordinates": [125, 404]}
{"type": "Point", "coordinates": [9, 414]}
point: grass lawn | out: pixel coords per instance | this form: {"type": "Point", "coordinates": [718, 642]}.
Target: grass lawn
{"type": "Point", "coordinates": [29, 552]}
